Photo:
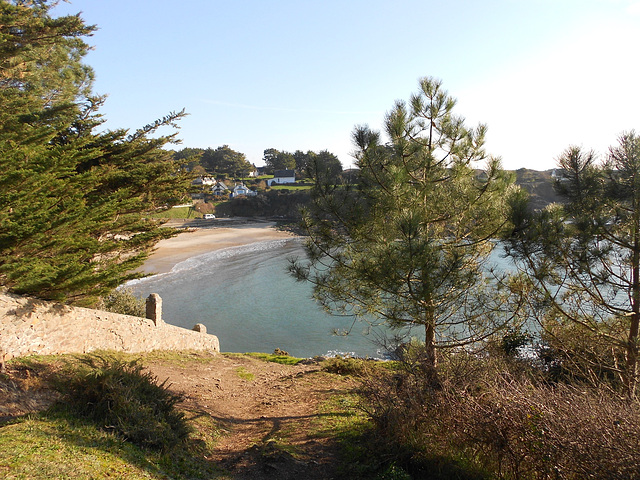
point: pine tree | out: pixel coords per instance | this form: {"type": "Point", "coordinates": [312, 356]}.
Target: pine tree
{"type": "Point", "coordinates": [408, 245]}
{"type": "Point", "coordinates": [582, 258]}
{"type": "Point", "coordinates": [74, 204]}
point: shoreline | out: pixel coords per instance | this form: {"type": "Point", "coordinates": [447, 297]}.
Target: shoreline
{"type": "Point", "coordinates": [200, 240]}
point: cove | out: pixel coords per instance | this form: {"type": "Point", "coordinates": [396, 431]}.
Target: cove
{"type": "Point", "coordinates": [245, 296]}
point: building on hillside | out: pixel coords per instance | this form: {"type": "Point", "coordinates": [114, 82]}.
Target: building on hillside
{"type": "Point", "coordinates": [242, 189]}
{"type": "Point", "coordinates": [219, 189]}
{"type": "Point", "coordinates": [203, 181]}
{"type": "Point", "coordinates": [281, 177]}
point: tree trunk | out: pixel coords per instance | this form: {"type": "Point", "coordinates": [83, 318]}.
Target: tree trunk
{"type": "Point", "coordinates": [430, 360]}
{"type": "Point", "coordinates": [631, 368]}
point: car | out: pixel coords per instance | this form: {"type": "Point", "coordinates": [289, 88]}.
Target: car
{"type": "Point", "coordinates": [209, 216]}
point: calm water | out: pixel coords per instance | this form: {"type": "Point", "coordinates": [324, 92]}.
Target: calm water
{"type": "Point", "coordinates": [245, 296]}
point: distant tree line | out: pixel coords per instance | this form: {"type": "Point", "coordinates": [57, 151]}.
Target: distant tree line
{"type": "Point", "coordinates": [306, 164]}
{"type": "Point", "coordinates": [226, 162]}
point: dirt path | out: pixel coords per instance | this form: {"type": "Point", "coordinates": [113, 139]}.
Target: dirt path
{"type": "Point", "coordinates": [262, 406]}
{"type": "Point", "coordinates": [270, 416]}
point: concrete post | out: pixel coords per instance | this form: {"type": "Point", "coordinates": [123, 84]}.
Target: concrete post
{"type": "Point", "coordinates": [199, 327]}
{"type": "Point", "coordinates": [154, 308]}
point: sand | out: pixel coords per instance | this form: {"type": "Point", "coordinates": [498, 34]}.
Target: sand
{"type": "Point", "coordinates": [198, 241]}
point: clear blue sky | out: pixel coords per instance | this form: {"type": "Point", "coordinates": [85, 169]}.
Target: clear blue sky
{"type": "Point", "coordinates": [258, 74]}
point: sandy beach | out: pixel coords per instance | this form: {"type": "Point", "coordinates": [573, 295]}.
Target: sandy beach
{"type": "Point", "coordinates": [198, 241]}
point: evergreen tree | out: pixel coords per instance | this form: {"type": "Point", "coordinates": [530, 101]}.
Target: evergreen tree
{"type": "Point", "coordinates": [189, 158]}
{"type": "Point", "coordinates": [582, 257]}
{"type": "Point", "coordinates": [277, 160]}
{"type": "Point", "coordinates": [302, 159]}
{"type": "Point", "coordinates": [408, 245]}
{"type": "Point", "coordinates": [324, 167]}
{"type": "Point", "coordinates": [74, 204]}
{"type": "Point", "coordinates": [225, 161]}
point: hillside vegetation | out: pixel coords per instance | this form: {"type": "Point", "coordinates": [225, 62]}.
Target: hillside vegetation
{"type": "Point", "coordinates": [522, 373]}
{"type": "Point", "coordinates": [273, 416]}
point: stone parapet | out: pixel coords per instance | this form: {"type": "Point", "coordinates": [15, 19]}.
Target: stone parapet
{"type": "Point", "coordinates": [30, 326]}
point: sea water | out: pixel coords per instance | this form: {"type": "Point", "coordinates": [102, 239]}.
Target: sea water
{"type": "Point", "coordinates": [245, 296]}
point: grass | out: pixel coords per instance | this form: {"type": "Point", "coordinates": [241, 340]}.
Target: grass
{"type": "Point", "coordinates": [342, 419]}
{"type": "Point", "coordinates": [40, 446]}
{"type": "Point", "coordinates": [291, 187]}
{"type": "Point", "coordinates": [271, 357]}
{"type": "Point", "coordinates": [179, 212]}
{"type": "Point", "coordinates": [168, 357]}
{"type": "Point", "coordinates": [245, 374]}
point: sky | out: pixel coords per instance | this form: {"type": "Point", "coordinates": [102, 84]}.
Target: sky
{"type": "Point", "coordinates": [301, 74]}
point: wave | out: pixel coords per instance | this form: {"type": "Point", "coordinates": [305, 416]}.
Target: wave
{"type": "Point", "coordinates": [226, 253]}
{"type": "Point", "coordinates": [216, 257]}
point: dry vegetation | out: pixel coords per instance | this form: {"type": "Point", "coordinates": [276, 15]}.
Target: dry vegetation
{"type": "Point", "coordinates": [495, 417]}
{"type": "Point", "coordinates": [500, 418]}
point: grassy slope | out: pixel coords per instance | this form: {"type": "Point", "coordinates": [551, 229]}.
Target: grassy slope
{"type": "Point", "coordinates": [55, 444]}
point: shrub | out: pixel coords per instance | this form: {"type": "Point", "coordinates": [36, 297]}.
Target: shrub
{"type": "Point", "coordinates": [205, 207]}
{"type": "Point", "coordinates": [574, 355]}
{"type": "Point", "coordinates": [344, 365]}
{"type": "Point", "coordinates": [513, 340]}
{"type": "Point", "coordinates": [124, 302]}
{"type": "Point", "coordinates": [122, 397]}
{"type": "Point", "coordinates": [507, 425]}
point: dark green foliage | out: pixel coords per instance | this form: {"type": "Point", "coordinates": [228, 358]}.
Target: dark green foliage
{"type": "Point", "coordinates": [582, 257]}
{"type": "Point", "coordinates": [223, 161]}
{"type": "Point", "coordinates": [74, 204]}
{"type": "Point", "coordinates": [188, 158]}
{"type": "Point", "coordinates": [277, 160]}
{"type": "Point", "coordinates": [121, 397]}
{"type": "Point", "coordinates": [513, 339]}
{"type": "Point", "coordinates": [273, 203]}
{"type": "Point", "coordinates": [310, 164]}
{"type": "Point", "coordinates": [407, 244]}
{"type": "Point", "coordinates": [323, 167]}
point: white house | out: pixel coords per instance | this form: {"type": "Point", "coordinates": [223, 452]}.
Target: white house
{"type": "Point", "coordinates": [282, 176]}
{"type": "Point", "coordinates": [202, 181]}
{"type": "Point", "coordinates": [242, 189]}
{"type": "Point", "coordinates": [219, 188]}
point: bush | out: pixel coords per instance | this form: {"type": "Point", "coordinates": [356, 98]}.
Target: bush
{"type": "Point", "coordinates": [501, 423]}
{"type": "Point", "coordinates": [344, 365]}
{"type": "Point", "coordinates": [122, 397]}
{"type": "Point", "coordinates": [513, 340]}
{"type": "Point", "coordinates": [124, 302]}
{"type": "Point", "coordinates": [574, 355]}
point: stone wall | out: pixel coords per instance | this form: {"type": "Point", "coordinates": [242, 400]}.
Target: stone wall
{"type": "Point", "coordinates": [31, 326]}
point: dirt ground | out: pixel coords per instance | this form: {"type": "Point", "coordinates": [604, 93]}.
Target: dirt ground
{"type": "Point", "coordinates": [279, 403]}
{"type": "Point", "coordinates": [259, 407]}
